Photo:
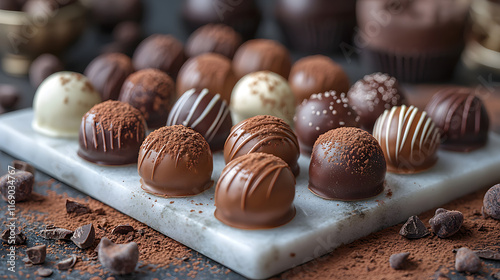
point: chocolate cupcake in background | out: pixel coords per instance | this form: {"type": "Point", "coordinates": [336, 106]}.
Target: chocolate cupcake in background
{"type": "Point", "coordinates": [215, 38]}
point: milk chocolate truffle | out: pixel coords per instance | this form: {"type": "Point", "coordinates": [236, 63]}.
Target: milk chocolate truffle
{"type": "Point", "coordinates": [152, 92]}
{"type": "Point", "coordinates": [107, 73]}
{"type": "Point", "coordinates": [262, 54]}
{"type": "Point", "coordinates": [347, 163]}
{"type": "Point", "coordinates": [215, 38]}
{"type": "Point", "coordinates": [255, 191]}
{"type": "Point", "coordinates": [264, 134]}
{"type": "Point", "coordinates": [111, 133]}
{"type": "Point", "coordinates": [175, 161]}
{"type": "Point", "coordinates": [461, 118]}
{"type": "Point", "coordinates": [107, 14]}
{"type": "Point", "coordinates": [160, 51]}
{"type": "Point", "coordinates": [374, 94]}
{"type": "Point", "coordinates": [409, 139]}
{"type": "Point", "coordinates": [43, 66]}
{"type": "Point", "coordinates": [211, 71]}
{"type": "Point", "coordinates": [204, 112]}
{"type": "Point", "coordinates": [316, 74]}
{"type": "Point", "coordinates": [321, 113]}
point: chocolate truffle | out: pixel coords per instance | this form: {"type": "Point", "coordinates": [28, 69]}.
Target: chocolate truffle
{"type": "Point", "coordinates": [264, 134]}
{"type": "Point", "coordinates": [409, 139]}
{"type": "Point", "coordinates": [316, 74]}
{"type": "Point", "coordinates": [160, 51]}
{"type": "Point", "coordinates": [128, 34]}
{"type": "Point", "coordinates": [215, 38]}
{"type": "Point", "coordinates": [461, 118]}
{"type": "Point", "coordinates": [175, 161]}
{"type": "Point", "coordinates": [9, 96]}
{"type": "Point", "coordinates": [111, 133]}
{"type": "Point", "coordinates": [152, 92]}
{"type": "Point", "coordinates": [262, 54]}
{"type": "Point", "coordinates": [107, 14]}
{"type": "Point", "coordinates": [107, 73]}
{"type": "Point", "coordinates": [374, 94]}
{"type": "Point", "coordinates": [262, 93]}
{"type": "Point", "coordinates": [204, 112]}
{"type": "Point", "coordinates": [44, 66]}
{"type": "Point", "coordinates": [347, 163]}
{"type": "Point", "coordinates": [255, 191]}
{"type": "Point", "coordinates": [211, 71]}
{"type": "Point", "coordinates": [321, 113]}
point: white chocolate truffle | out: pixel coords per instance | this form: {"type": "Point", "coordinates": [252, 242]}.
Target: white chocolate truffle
{"type": "Point", "coordinates": [60, 102]}
{"type": "Point", "coordinates": [262, 93]}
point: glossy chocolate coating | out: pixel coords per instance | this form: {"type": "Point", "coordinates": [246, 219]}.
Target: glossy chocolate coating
{"type": "Point", "coordinates": [409, 139]}
{"type": "Point", "coordinates": [111, 134]}
{"type": "Point", "coordinates": [175, 161]}
{"type": "Point", "coordinates": [461, 117]}
{"type": "Point", "coordinates": [264, 134]}
{"type": "Point", "coordinates": [204, 112]}
{"type": "Point", "coordinates": [347, 163]}
{"type": "Point", "coordinates": [215, 38]}
{"type": "Point", "coordinates": [255, 191]}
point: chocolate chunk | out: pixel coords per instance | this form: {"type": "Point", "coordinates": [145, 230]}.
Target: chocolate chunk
{"type": "Point", "coordinates": [122, 229]}
{"type": "Point", "coordinates": [100, 211]}
{"type": "Point", "coordinates": [119, 258]}
{"type": "Point", "coordinates": [488, 254]}
{"type": "Point", "coordinates": [18, 237]}
{"type": "Point", "coordinates": [16, 185]}
{"type": "Point", "coordinates": [37, 254]}
{"type": "Point", "coordinates": [446, 223]}
{"type": "Point", "coordinates": [44, 272]}
{"type": "Point", "coordinates": [75, 207]}
{"type": "Point", "coordinates": [23, 166]}
{"type": "Point", "coordinates": [57, 234]}
{"type": "Point", "coordinates": [84, 236]}
{"type": "Point", "coordinates": [414, 228]}
{"type": "Point", "coordinates": [467, 261]}
{"type": "Point", "coordinates": [9, 96]}
{"type": "Point", "coordinates": [397, 261]}
{"type": "Point", "coordinates": [66, 263]}
{"type": "Point", "coordinates": [491, 203]}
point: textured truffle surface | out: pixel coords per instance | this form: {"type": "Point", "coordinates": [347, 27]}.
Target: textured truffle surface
{"type": "Point", "coordinates": [214, 38]}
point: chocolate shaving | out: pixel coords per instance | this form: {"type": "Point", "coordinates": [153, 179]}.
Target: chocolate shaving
{"type": "Point", "coordinates": [488, 254]}
{"type": "Point", "coordinates": [67, 263]}
{"type": "Point", "coordinates": [77, 208]}
{"type": "Point", "coordinates": [20, 238]}
{"type": "Point", "coordinates": [122, 229]}
{"type": "Point", "coordinates": [57, 234]}
{"type": "Point", "coordinates": [44, 272]}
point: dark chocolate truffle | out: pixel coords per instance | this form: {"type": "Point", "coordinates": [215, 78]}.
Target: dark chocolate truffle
{"type": "Point", "coordinates": [262, 54]}
{"type": "Point", "coordinates": [204, 112]}
{"type": "Point", "coordinates": [111, 133]}
{"type": "Point", "coordinates": [215, 38]}
{"type": "Point", "coordinates": [44, 66]}
{"type": "Point", "coordinates": [127, 34]}
{"type": "Point", "coordinates": [175, 161]}
{"type": "Point", "coordinates": [255, 191]}
{"type": "Point", "coordinates": [107, 73]}
{"type": "Point", "coordinates": [9, 96]}
{"type": "Point", "coordinates": [409, 139]}
{"type": "Point", "coordinates": [316, 74]}
{"type": "Point", "coordinates": [374, 94]}
{"type": "Point", "coordinates": [152, 92]}
{"type": "Point", "coordinates": [347, 163]}
{"type": "Point", "coordinates": [265, 134]}
{"type": "Point", "coordinates": [107, 14]}
{"type": "Point", "coordinates": [319, 114]}
{"type": "Point", "coordinates": [160, 51]}
{"type": "Point", "coordinates": [211, 71]}
{"type": "Point", "coordinates": [461, 118]}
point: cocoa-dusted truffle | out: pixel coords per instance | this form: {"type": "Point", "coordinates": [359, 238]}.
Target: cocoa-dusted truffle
{"type": "Point", "coordinates": [211, 71]}
{"type": "Point", "coordinates": [111, 133]}
{"type": "Point", "coordinates": [409, 139]}
{"type": "Point", "coordinates": [206, 113]}
{"type": "Point", "coordinates": [374, 94]}
{"type": "Point", "coordinates": [152, 92]}
{"type": "Point", "coordinates": [262, 54]}
{"type": "Point", "coordinates": [461, 118]}
{"type": "Point", "coordinates": [347, 163]}
{"type": "Point", "coordinates": [255, 191]}
{"type": "Point", "coordinates": [321, 113]}
{"type": "Point", "coordinates": [175, 161]}
{"type": "Point", "coordinates": [215, 38]}
{"type": "Point", "coordinates": [107, 73]}
{"type": "Point", "coordinates": [265, 134]}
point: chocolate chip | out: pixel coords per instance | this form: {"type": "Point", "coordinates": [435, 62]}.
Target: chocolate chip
{"type": "Point", "coordinates": [37, 254]}
{"type": "Point", "coordinates": [467, 261]}
{"type": "Point", "coordinates": [44, 272]}
{"type": "Point", "coordinates": [66, 263]}
{"type": "Point", "coordinates": [84, 236]}
{"type": "Point", "coordinates": [446, 223]}
{"type": "Point", "coordinates": [122, 229]}
{"type": "Point", "coordinates": [488, 254]}
{"type": "Point", "coordinates": [119, 258]}
{"type": "Point", "coordinates": [414, 228]}
{"type": "Point", "coordinates": [397, 261]}
{"type": "Point", "coordinates": [9, 96]}
{"type": "Point", "coordinates": [23, 166]}
{"type": "Point", "coordinates": [491, 203]}
{"type": "Point", "coordinates": [16, 185]}
{"type": "Point", "coordinates": [77, 208]}
{"type": "Point", "coordinates": [17, 236]}
{"type": "Point", "coordinates": [57, 233]}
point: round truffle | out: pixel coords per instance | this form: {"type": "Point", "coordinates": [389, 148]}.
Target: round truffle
{"type": "Point", "coordinates": [409, 139]}
{"type": "Point", "coordinates": [211, 71]}
{"type": "Point", "coordinates": [321, 113]}
{"type": "Point", "coordinates": [107, 73]}
{"type": "Point", "coordinates": [264, 134]}
{"type": "Point", "coordinates": [111, 134]}
{"type": "Point", "coordinates": [262, 54]}
{"type": "Point", "coordinates": [255, 191]}
{"type": "Point", "coordinates": [204, 112]}
{"type": "Point", "coordinates": [262, 93]}
{"type": "Point", "coordinates": [316, 74]}
{"type": "Point", "coordinates": [175, 161]}
{"type": "Point", "coordinates": [160, 51]}
{"type": "Point", "coordinates": [347, 163]}
{"type": "Point", "coordinates": [461, 117]}
{"type": "Point", "coordinates": [214, 38]}
{"type": "Point", "coordinates": [374, 94]}
{"type": "Point", "coordinates": [60, 102]}
{"type": "Point", "coordinates": [491, 203]}
{"type": "Point", "coordinates": [44, 66]}
{"type": "Point", "coordinates": [152, 92]}
{"type": "Point", "coordinates": [107, 14]}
